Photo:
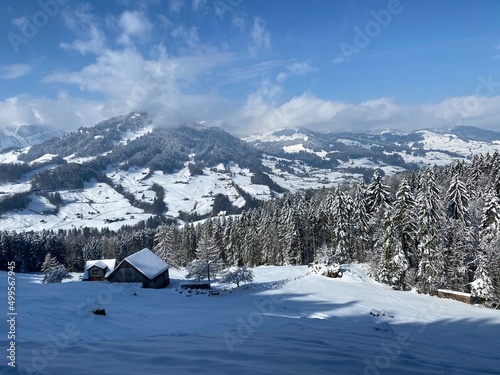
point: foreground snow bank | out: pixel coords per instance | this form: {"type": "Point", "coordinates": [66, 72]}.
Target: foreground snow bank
{"type": "Point", "coordinates": [288, 321]}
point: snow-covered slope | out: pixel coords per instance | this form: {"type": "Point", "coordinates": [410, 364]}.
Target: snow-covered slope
{"type": "Point", "coordinates": [287, 321]}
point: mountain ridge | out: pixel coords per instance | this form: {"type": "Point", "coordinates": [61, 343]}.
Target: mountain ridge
{"type": "Point", "coordinates": [124, 170]}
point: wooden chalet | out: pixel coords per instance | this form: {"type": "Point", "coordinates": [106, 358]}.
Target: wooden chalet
{"type": "Point", "coordinates": [142, 267]}
{"type": "Point", "coordinates": [98, 270]}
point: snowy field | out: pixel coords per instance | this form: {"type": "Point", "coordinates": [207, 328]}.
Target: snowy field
{"type": "Point", "coordinates": [287, 322]}
{"type": "Point", "coordinates": [453, 143]}
{"type": "Point", "coordinates": [98, 205]}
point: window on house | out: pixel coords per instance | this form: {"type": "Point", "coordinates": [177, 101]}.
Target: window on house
{"type": "Point", "coordinates": [95, 272]}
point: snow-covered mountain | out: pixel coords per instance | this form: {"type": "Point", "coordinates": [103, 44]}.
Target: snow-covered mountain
{"type": "Point", "coordinates": [123, 170]}
{"type": "Point", "coordinates": [26, 135]}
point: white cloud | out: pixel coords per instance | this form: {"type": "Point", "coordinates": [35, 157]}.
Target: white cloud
{"type": "Point", "coordinates": [260, 36]}
{"type": "Point", "coordinates": [86, 26]}
{"type": "Point", "coordinates": [239, 21]}
{"type": "Point", "coordinates": [163, 85]}
{"type": "Point", "coordinates": [199, 5]}
{"type": "Point", "coordinates": [20, 22]}
{"type": "Point", "coordinates": [339, 59]}
{"type": "Point", "coordinates": [300, 68]}
{"type": "Point", "coordinates": [254, 72]}
{"type": "Point", "coordinates": [281, 77]}
{"type": "Point", "coordinates": [94, 44]}
{"type": "Point", "coordinates": [63, 111]}
{"type": "Point", "coordinates": [133, 24]}
{"type": "Point", "coordinates": [295, 69]}
{"type": "Point", "coordinates": [190, 37]}
{"type": "Point", "coordinates": [261, 113]}
{"type": "Point", "coordinates": [187, 86]}
{"type": "Point", "coordinates": [175, 6]}
{"type": "Point", "coordinates": [14, 71]}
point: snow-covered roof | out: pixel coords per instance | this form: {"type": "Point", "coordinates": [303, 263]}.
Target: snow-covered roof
{"type": "Point", "coordinates": [102, 264]}
{"type": "Point", "coordinates": [148, 263]}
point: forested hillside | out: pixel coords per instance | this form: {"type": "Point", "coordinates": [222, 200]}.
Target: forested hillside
{"type": "Point", "coordinates": [432, 228]}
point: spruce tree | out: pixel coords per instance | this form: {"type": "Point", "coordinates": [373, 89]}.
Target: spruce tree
{"type": "Point", "coordinates": [378, 195]}
{"type": "Point", "coordinates": [486, 278]}
{"type": "Point", "coordinates": [457, 200]}
{"type": "Point", "coordinates": [207, 252]}
{"type": "Point", "coordinates": [165, 245]}
{"type": "Point", "coordinates": [53, 271]}
{"type": "Point", "coordinates": [361, 223]}
{"type": "Point", "coordinates": [431, 265]}
{"type": "Point", "coordinates": [341, 215]}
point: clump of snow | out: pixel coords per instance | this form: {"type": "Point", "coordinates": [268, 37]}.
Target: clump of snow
{"type": "Point", "coordinates": [328, 270]}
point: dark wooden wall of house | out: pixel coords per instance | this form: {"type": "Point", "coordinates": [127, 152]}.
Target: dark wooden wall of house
{"type": "Point", "coordinates": [99, 276]}
{"type": "Point", "coordinates": [126, 273]}
{"type": "Point", "coordinates": [160, 281]}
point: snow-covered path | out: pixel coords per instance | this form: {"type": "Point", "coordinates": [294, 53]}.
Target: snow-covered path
{"type": "Point", "coordinates": [287, 322]}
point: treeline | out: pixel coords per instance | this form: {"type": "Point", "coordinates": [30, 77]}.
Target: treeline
{"type": "Point", "coordinates": [429, 229]}
{"type": "Point", "coordinates": [13, 171]}
{"type": "Point", "coordinates": [75, 246]}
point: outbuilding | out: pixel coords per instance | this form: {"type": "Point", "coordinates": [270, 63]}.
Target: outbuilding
{"type": "Point", "coordinates": [98, 270]}
{"type": "Point", "coordinates": [142, 267]}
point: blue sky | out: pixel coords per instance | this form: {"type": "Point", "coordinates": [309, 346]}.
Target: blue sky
{"type": "Point", "coordinates": [252, 65]}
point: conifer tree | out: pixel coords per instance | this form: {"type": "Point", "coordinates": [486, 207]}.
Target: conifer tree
{"type": "Point", "coordinates": [485, 284]}
{"type": "Point", "coordinates": [165, 245]}
{"type": "Point", "coordinates": [458, 200]}
{"type": "Point", "coordinates": [378, 195]}
{"type": "Point", "coordinates": [207, 252]}
{"type": "Point", "coordinates": [341, 215]}
{"type": "Point", "coordinates": [361, 223]}
{"type": "Point", "coordinates": [53, 271]}
{"type": "Point", "coordinates": [431, 266]}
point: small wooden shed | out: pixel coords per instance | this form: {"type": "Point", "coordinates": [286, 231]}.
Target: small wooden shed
{"type": "Point", "coordinates": [142, 267]}
{"type": "Point", "coordinates": [98, 270]}
{"type": "Point", "coordinates": [457, 296]}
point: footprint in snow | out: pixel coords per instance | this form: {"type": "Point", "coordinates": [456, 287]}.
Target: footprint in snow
{"type": "Point", "coordinates": [383, 327]}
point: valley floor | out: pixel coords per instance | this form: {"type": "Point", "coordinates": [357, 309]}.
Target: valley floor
{"type": "Point", "coordinates": [287, 321]}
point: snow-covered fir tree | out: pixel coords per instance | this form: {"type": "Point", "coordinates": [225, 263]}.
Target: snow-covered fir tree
{"type": "Point", "coordinates": [429, 217]}
{"type": "Point", "coordinates": [342, 226]}
{"type": "Point", "coordinates": [378, 194]}
{"type": "Point", "coordinates": [394, 262]}
{"type": "Point", "coordinates": [53, 271]}
{"type": "Point", "coordinates": [361, 223]}
{"type": "Point", "coordinates": [207, 252]}
{"type": "Point", "coordinates": [166, 245]}
{"type": "Point", "coordinates": [482, 286]}
{"type": "Point", "coordinates": [485, 285]}
{"type": "Point", "coordinates": [405, 221]}
{"type": "Point", "coordinates": [457, 200]}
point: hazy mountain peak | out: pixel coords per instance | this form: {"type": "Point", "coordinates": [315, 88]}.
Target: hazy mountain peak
{"type": "Point", "coordinates": [26, 135]}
